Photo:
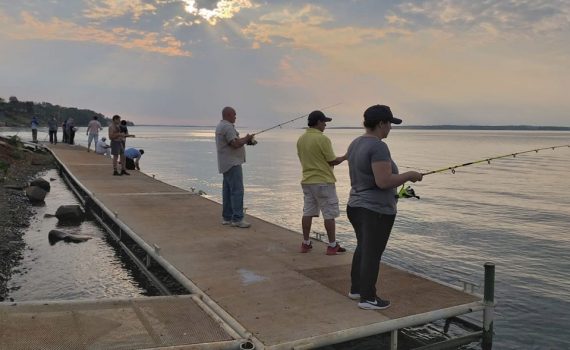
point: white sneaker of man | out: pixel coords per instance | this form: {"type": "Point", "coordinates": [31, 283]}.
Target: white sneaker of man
{"type": "Point", "coordinates": [241, 224]}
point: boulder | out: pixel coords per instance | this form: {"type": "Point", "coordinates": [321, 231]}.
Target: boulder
{"type": "Point", "coordinates": [41, 183]}
{"type": "Point", "coordinates": [35, 194]}
{"type": "Point", "coordinates": [55, 236]}
{"type": "Point", "coordinates": [70, 213]}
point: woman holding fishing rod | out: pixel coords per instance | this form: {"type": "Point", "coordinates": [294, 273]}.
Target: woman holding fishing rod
{"type": "Point", "coordinates": [371, 207]}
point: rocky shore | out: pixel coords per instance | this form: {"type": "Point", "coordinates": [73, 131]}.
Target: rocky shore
{"type": "Point", "coordinates": [18, 166]}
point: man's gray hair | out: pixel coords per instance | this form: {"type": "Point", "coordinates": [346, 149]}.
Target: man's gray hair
{"type": "Point", "coordinates": [227, 110]}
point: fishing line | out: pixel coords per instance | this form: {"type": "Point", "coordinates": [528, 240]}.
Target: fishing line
{"type": "Point", "coordinates": [408, 192]}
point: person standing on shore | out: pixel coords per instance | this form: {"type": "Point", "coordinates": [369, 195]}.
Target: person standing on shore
{"type": "Point", "coordinates": [231, 155]}
{"type": "Point", "coordinates": [371, 207]}
{"type": "Point", "coordinates": [52, 129]}
{"type": "Point", "coordinates": [71, 129]}
{"type": "Point", "coordinates": [35, 125]}
{"type": "Point", "coordinates": [319, 192]}
{"type": "Point", "coordinates": [93, 132]}
{"type": "Point", "coordinates": [65, 138]}
{"type": "Point", "coordinates": [125, 131]}
{"type": "Point", "coordinates": [117, 149]}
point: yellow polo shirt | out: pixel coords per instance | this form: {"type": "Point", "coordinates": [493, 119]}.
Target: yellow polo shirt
{"type": "Point", "coordinates": [315, 151]}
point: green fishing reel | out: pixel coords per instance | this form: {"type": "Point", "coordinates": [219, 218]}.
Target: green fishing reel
{"type": "Point", "coordinates": [407, 192]}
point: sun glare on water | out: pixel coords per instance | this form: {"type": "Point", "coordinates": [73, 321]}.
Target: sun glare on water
{"type": "Point", "coordinates": [223, 9]}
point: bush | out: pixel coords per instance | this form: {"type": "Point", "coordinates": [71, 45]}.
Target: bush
{"type": "Point", "coordinates": [15, 141]}
{"type": "Point", "coordinates": [3, 169]}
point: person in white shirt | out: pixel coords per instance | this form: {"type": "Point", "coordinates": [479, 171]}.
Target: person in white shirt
{"type": "Point", "coordinates": [102, 147]}
{"type": "Point", "coordinates": [93, 132]}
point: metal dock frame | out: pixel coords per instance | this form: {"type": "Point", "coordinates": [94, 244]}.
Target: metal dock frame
{"type": "Point", "coordinates": [246, 338]}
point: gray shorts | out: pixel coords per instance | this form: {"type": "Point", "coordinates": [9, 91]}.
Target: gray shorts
{"type": "Point", "coordinates": [320, 198]}
{"type": "Point", "coordinates": [117, 148]}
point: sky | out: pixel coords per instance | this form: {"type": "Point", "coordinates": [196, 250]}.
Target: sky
{"type": "Point", "coordinates": [180, 62]}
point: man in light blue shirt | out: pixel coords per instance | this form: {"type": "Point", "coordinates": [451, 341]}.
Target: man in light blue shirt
{"type": "Point", "coordinates": [133, 156]}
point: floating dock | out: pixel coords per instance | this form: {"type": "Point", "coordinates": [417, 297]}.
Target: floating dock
{"type": "Point", "coordinates": [249, 288]}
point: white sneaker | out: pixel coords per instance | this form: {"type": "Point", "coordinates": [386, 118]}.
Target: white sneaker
{"type": "Point", "coordinates": [354, 296]}
{"type": "Point", "coordinates": [241, 224]}
{"type": "Point", "coordinates": [376, 304]}
{"type": "Point", "coordinates": [226, 222]}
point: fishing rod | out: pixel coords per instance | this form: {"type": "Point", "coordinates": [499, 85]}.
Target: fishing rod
{"type": "Point", "coordinates": [292, 120]}
{"type": "Point", "coordinates": [408, 191]}
{"type": "Point", "coordinates": [488, 160]}
{"type": "Point", "coordinates": [253, 142]}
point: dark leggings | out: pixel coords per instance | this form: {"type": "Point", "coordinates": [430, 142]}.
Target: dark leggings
{"type": "Point", "coordinates": [372, 233]}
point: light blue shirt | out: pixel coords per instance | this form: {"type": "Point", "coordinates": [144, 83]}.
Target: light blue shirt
{"type": "Point", "coordinates": [132, 153]}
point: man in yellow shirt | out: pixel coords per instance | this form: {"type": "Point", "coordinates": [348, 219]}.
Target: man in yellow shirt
{"type": "Point", "coordinates": [319, 192]}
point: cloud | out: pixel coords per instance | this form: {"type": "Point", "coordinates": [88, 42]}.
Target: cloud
{"type": "Point", "coordinates": [303, 29]}
{"type": "Point", "coordinates": [496, 18]}
{"type": "Point", "coordinates": [451, 53]}
{"type": "Point", "coordinates": [107, 9]}
{"type": "Point", "coordinates": [31, 28]}
{"type": "Point", "coordinates": [223, 9]}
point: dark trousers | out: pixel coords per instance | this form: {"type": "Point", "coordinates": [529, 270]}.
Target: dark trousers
{"type": "Point", "coordinates": [65, 136]}
{"type": "Point", "coordinates": [372, 233]}
{"type": "Point", "coordinates": [53, 136]}
{"type": "Point", "coordinates": [71, 138]}
{"type": "Point", "coordinates": [130, 164]}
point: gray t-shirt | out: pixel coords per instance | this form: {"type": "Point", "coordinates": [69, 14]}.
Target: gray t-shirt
{"type": "Point", "coordinates": [364, 193]}
{"type": "Point", "coordinates": [228, 156]}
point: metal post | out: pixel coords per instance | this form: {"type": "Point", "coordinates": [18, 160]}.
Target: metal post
{"type": "Point", "coordinates": [489, 302]}
{"type": "Point", "coordinates": [394, 340]}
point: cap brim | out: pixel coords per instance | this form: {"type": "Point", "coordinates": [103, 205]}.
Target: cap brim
{"type": "Point", "coordinates": [327, 119]}
{"type": "Point", "coordinates": [395, 121]}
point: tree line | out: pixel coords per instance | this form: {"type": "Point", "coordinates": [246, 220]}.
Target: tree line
{"type": "Point", "coordinates": [19, 113]}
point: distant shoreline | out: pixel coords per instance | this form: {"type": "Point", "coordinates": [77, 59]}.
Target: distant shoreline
{"type": "Point", "coordinates": [421, 127]}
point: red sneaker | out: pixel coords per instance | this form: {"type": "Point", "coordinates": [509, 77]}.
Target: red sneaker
{"type": "Point", "coordinates": [334, 250]}
{"type": "Point", "coordinates": [305, 248]}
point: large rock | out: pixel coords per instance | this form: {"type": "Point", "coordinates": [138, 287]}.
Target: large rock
{"type": "Point", "coordinates": [35, 194]}
{"type": "Point", "coordinates": [41, 183]}
{"type": "Point", "coordinates": [55, 236]}
{"type": "Point", "coordinates": [70, 213]}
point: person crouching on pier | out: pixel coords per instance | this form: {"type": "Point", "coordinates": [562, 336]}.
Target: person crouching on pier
{"type": "Point", "coordinates": [133, 156]}
{"type": "Point", "coordinates": [371, 207]}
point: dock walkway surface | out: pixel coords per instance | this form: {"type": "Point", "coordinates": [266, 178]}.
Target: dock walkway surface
{"type": "Point", "coordinates": [285, 299]}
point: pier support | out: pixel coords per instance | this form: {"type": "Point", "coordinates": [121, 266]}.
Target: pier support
{"type": "Point", "coordinates": [394, 340]}
{"type": "Point", "coordinates": [489, 302]}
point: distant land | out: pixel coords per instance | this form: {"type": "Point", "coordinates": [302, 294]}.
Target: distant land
{"type": "Point", "coordinates": [470, 127]}
{"type": "Point", "coordinates": [15, 113]}
{"type": "Point", "coordinates": [415, 127]}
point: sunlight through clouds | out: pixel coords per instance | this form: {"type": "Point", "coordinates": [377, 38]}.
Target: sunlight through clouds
{"type": "Point", "coordinates": [224, 9]}
{"type": "Point", "coordinates": [31, 28]}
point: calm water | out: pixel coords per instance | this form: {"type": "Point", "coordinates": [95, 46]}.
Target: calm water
{"type": "Point", "coordinates": [68, 271]}
{"type": "Point", "coordinates": [514, 212]}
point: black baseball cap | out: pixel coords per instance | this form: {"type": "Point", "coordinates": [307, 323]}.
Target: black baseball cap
{"type": "Point", "coordinates": [382, 113]}
{"type": "Point", "coordinates": [315, 116]}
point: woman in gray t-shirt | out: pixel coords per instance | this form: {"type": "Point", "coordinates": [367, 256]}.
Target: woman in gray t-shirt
{"type": "Point", "coordinates": [371, 207]}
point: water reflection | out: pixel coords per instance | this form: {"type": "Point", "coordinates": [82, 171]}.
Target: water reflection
{"type": "Point", "coordinates": [66, 271]}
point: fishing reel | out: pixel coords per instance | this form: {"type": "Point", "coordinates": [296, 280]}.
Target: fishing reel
{"type": "Point", "coordinates": [252, 142]}
{"type": "Point", "coordinates": [407, 192]}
